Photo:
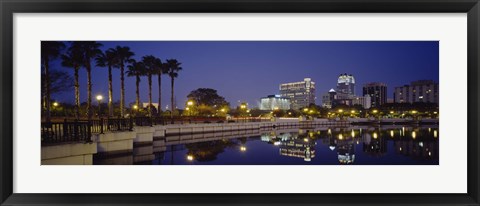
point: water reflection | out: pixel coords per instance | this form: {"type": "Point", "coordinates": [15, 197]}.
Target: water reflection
{"type": "Point", "coordinates": [390, 145]}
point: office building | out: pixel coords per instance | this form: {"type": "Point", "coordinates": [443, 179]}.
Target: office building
{"type": "Point", "coordinates": [301, 94]}
{"type": "Point", "coordinates": [417, 91]}
{"type": "Point", "coordinates": [272, 102]}
{"type": "Point", "coordinates": [365, 101]}
{"type": "Point", "coordinates": [377, 91]}
{"type": "Point", "coordinates": [346, 86]}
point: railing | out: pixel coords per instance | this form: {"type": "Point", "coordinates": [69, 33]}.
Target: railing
{"type": "Point", "coordinates": [102, 125]}
{"type": "Point", "coordinates": [82, 130]}
{"type": "Point", "coordinates": [76, 131]}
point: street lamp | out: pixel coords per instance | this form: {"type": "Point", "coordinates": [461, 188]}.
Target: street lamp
{"type": "Point", "coordinates": [55, 105]}
{"type": "Point", "coordinates": [99, 99]}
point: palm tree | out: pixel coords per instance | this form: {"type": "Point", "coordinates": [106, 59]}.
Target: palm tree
{"type": "Point", "coordinates": [173, 67]}
{"type": "Point", "coordinates": [151, 63]}
{"type": "Point", "coordinates": [108, 59]}
{"type": "Point", "coordinates": [123, 55]}
{"type": "Point", "coordinates": [74, 59]}
{"type": "Point", "coordinates": [159, 69]}
{"type": "Point", "coordinates": [90, 51]}
{"type": "Point", "coordinates": [50, 50]}
{"type": "Point", "coordinates": [136, 69]}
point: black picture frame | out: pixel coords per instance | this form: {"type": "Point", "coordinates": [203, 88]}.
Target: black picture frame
{"type": "Point", "coordinates": [10, 7]}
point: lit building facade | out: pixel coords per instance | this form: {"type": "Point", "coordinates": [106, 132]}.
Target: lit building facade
{"type": "Point", "coordinates": [365, 101]}
{"type": "Point", "coordinates": [346, 86]}
{"type": "Point", "coordinates": [377, 91]}
{"type": "Point", "coordinates": [301, 94]}
{"type": "Point", "coordinates": [417, 91]}
{"type": "Point", "coordinates": [272, 102]}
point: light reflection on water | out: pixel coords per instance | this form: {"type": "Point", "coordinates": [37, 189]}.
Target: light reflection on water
{"type": "Point", "coordinates": [390, 145]}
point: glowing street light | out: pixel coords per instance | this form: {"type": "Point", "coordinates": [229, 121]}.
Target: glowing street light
{"type": "Point", "coordinates": [135, 107]}
{"type": "Point", "coordinates": [99, 99]}
{"type": "Point", "coordinates": [190, 103]}
{"type": "Point", "coordinates": [340, 110]}
{"type": "Point", "coordinates": [190, 157]}
{"type": "Point", "coordinates": [243, 148]}
{"type": "Point", "coordinates": [55, 104]}
{"type": "Point", "coordinates": [375, 111]}
{"type": "Point", "coordinates": [305, 109]}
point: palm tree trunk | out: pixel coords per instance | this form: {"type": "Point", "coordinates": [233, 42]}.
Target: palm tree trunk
{"type": "Point", "coordinates": [122, 91]}
{"type": "Point", "coordinates": [89, 91]}
{"type": "Point", "coordinates": [110, 92]}
{"type": "Point", "coordinates": [137, 92]}
{"type": "Point", "coordinates": [150, 95]}
{"type": "Point", "coordinates": [159, 93]}
{"type": "Point", "coordinates": [77, 95]}
{"type": "Point", "coordinates": [171, 100]}
{"type": "Point", "coordinates": [47, 91]}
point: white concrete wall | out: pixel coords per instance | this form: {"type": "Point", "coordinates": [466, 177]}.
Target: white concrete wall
{"type": "Point", "coordinates": [144, 134]}
{"type": "Point", "coordinates": [69, 154]}
{"type": "Point", "coordinates": [115, 141]}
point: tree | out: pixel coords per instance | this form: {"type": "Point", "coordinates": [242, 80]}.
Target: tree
{"type": "Point", "coordinates": [60, 81]}
{"type": "Point", "coordinates": [136, 69]}
{"type": "Point", "coordinates": [109, 60]}
{"type": "Point", "coordinates": [90, 50]}
{"type": "Point", "coordinates": [124, 55]}
{"type": "Point", "coordinates": [74, 59]}
{"type": "Point", "coordinates": [50, 50]}
{"type": "Point", "coordinates": [173, 67]}
{"type": "Point", "coordinates": [151, 64]}
{"type": "Point", "coordinates": [208, 97]}
{"type": "Point", "coordinates": [160, 68]}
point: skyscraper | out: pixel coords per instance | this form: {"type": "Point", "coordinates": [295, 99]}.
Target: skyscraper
{"type": "Point", "coordinates": [301, 94]}
{"type": "Point", "coordinates": [346, 86]}
{"type": "Point", "coordinates": [377, 92]}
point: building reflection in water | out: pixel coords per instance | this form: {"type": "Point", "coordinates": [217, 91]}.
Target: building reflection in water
{"type": "Point", "coordinates": [418, 144]}
{"type": "Point", "coordinates": [344, 142]}
{"type": "Point", "coordinates": [299, 145]}
{"type": "Point", "coordinates": [374, 143]}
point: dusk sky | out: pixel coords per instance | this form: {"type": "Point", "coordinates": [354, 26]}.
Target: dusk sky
{"type": "Point", "coordinates": [249, 70]}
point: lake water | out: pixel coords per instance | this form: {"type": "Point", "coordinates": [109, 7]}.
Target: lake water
{"type": "Point", "coordinates": [386, 145]}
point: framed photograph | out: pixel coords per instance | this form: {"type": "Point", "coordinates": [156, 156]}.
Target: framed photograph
{"type": "Point", "coordinates": [252, 103]}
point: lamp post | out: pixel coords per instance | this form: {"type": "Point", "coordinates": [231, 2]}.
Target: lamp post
{"type": "Point", "coordinates": [55, 105]}
{"type": "Point", "coordinates": [99, 99]}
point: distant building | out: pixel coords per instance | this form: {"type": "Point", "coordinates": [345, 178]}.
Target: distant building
{"type": "Point", "coordinates": [365, 101]}
{"type": "Point", "coordinates": [332, 99]}
{"type": "Point", "coordinates": [417, 91]}
{"type": "Point", "coordinates": [145, 105]}
{"type": "Point", "coordinates": [377, 91]}
{"type": "Point", "coordinates": [346, 85]}
{"type": "Point", "coordinates": [301, 94]}
{"type": "Point", "coordinates": [329, 98]}
{"type": "Point", "coordinates": [272, 102]}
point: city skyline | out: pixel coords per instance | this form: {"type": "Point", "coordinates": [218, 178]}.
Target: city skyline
{"type": "Point", "coordinates": [249, 70]}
